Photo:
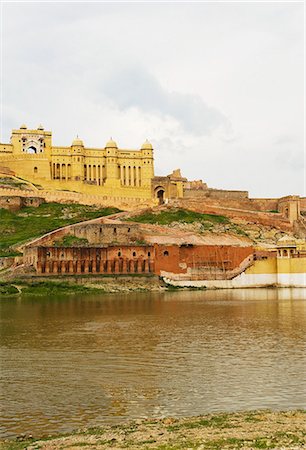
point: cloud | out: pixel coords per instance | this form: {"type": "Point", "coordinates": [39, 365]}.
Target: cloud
{"type": "Point", "coordinates": [135, 87]}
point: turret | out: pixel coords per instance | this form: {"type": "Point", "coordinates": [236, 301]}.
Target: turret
{"type": "Point", "coordinates": [77, 158]}
{"type": "Point", "coordinates": [111, 153]}
{"type": "Point", "coordinates": [147, 169]}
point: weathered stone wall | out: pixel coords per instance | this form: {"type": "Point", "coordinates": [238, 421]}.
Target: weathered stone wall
{"type": "Point", "coordinates": [303, 204]}
{"type": "Point", "coordinates": [205, 206]}
{"type": "Point", "coordinates": [227, 194]}
{"type": "Point", "coordinates": [108, 233]}
{"type": "Point", "coordinates": [83, 199]}
{"type": "Point", "coordinates": [14, 203]}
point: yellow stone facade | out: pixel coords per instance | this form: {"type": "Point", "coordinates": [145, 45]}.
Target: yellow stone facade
{"type": "Point", "coordinates": [107, 171]}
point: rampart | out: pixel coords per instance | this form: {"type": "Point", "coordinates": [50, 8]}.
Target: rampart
{"type": "Point", "coordinates": [77, 197]}
{"type": "Point", "coordinates": [216, 207]}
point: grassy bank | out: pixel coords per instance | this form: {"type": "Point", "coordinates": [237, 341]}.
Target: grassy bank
{"type": "Point", "coordinates": [43, 288]}
{"type": "Point", "coordinates": [82, 284]}
{"type": "Point", "coordinates": [249, 430]}
{"type": "Point", "coordinates": [20, 226]}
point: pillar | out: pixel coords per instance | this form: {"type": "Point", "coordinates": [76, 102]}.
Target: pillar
{"type": "Point", "coordinates": [86, 266]}
{"type": "Point", "coordinates": [70, 263]}
{"type": "Point", "coordinates": [55, 267]}
{"type": "Point", "coordinates": [39, 268]}
{"type": "Point", "coordinates": [121, 175]}
{"type": "Point", "coordinates": [78, 266]}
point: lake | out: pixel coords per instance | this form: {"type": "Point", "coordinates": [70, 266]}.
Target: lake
{"type": "Point", "coordinates": [79, 361]}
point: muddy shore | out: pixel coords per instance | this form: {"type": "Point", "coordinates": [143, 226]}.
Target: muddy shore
{"type": "Point", "coordinates": [248, 430]}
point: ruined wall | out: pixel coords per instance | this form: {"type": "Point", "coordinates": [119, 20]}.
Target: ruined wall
{"type": "Point", "coordinates": [108, 233]}
{"type": "Point", "coordinates": [14, 203]}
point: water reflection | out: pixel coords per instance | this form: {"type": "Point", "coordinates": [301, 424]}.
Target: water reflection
{"type": "Point", "coordinates": [69, 362]}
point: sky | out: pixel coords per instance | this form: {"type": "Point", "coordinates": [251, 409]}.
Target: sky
{"type": "Point", "coordinates": [217, 87]}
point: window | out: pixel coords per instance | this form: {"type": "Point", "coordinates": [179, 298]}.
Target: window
{"type": "Point", "coordinates": [115, 230]}
{"type": "Point", "coordinates": [166, 253]}
{"type": "Point", "coordinates": [149, 253]}
{"type": "Point", "coordinates": [35, 170]}
{"type": "Point", "coordinates": [134, 253]}
{"type": "Point", "coordinates": [119, 253]}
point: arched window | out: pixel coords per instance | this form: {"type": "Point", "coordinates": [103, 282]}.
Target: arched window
{"type": "Point", "coordinates": [35, 170]}
{"type": "Point", "coordinates": [134, 253]}
{"type": "Point", "coordinates": [166, 253]}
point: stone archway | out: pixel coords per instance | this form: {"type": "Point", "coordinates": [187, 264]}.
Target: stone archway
{"type": "Point", "coordinates": [160, 195]}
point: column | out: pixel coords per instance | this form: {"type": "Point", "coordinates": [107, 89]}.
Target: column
{"type": "Point", "coordinates": [121, 175]}
{"type": "Point", "coordinates": [137, 176]}
{"type": "Point", "coordinates": [132, 176]}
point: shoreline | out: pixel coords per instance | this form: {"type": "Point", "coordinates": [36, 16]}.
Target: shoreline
{"type": "Point", "coordinates": [73, 285]}
{"type": "Point", "coordinates": [262, 429]}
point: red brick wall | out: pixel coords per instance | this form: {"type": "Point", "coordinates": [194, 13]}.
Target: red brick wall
{"type": "Point", "coordinates": [177, 259]}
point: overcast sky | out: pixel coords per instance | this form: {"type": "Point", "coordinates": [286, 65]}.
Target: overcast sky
{"type": "Point", "coordinates": [217, 88]}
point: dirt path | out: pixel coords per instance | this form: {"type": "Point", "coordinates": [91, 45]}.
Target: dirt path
{"type": "Point", "coordinates": [250, 430]}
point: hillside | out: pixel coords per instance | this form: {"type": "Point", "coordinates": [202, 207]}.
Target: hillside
{"type": "Point", "coordinates": [206, 225]}
{"type": "Point", "coordinates": [17, 227]}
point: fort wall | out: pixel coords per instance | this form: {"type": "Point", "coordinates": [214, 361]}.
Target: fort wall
{"type": "Point", "coordinates": [213, 207]}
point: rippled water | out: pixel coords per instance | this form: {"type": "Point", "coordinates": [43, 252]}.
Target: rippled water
{"type": "Point", "coordinates": [69, 362]}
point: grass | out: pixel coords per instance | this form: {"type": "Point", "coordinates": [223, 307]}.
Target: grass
{"type": "Point", "coordinates": [178, 215]}
{"type": "Point", "coordinates": [27, 223]}
{"type": "Point", "coordinates": [44, 288]}
{"type": "Point", "coordinates": [8, 289]}
{"type": "Point", "coordinates": [13, 183]}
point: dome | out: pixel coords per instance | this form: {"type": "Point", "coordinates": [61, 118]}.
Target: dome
{"type": "Point", "coordinates": [40, 127]}
{"type": "Point", "coordinates": [77, 141]}
{"type": "Point", "coordinates": [23, 127]}
{"type": "Point", "coordinates": [111, 144]}
{"type": "Point", "coordinates": [146, 145]}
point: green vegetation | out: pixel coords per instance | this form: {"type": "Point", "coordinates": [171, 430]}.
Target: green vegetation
{"type": "Point", "coordinates": [43, 288]}
{"type": "Point", "coordinates": [28, 223]}
{"type": "Point", "coordinates": [179, 215]}
{"type": "Point", "coordinates": [8, 182]}
{"type": "Point", "coordinates": [8, 289]}
{"type": "Point", "coordinates": [71, 241]}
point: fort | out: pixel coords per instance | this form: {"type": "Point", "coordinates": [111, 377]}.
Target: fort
{"type": "Point", "coordinates": [34, 171]}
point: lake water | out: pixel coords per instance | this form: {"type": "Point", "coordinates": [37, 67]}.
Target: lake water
{"type": "Point", "coordinates": [75, 361]}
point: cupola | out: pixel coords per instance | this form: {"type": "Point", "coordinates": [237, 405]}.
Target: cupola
{"type": "Point", "coordinates": [23, 127]}
{"type": "Point", "coordinates": [40, 127]}
{"type": "Point", "coordinates": [78, 142]}
{"type": "Point", "coordinates": [146, 145]}
{"type": "Point", "coordinates": [111, 144]}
